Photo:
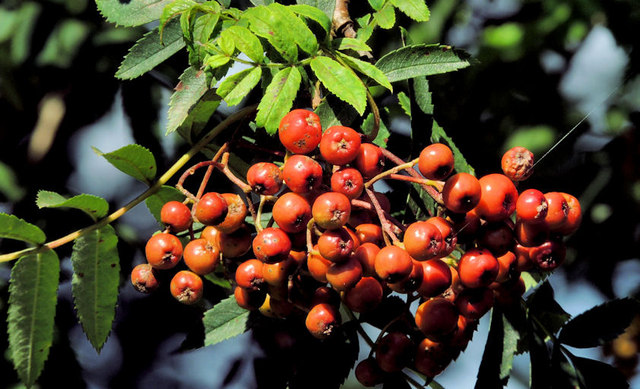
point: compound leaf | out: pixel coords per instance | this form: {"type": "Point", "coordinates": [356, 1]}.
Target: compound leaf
{"type": "Point", "coordinates": [301, 33]}
{"type": "Point", "coordinates": [246, 42]}
{"type": "Point", "coordinates": [96, 275]}
{"type": "Point", "coordinates": [278, 98]}
{"type": "Point", "coordinates": [225, 320]}
{"type": "Point", "coordinates": [236, 87]}
{"type": "Point", "coordinates": [149, 51]}
{"type": "Point", "coordinates": [131, 13]}
{"type": "Point", "coordinates": [385, 16]}
{"type": "Point", "coordinates": [134, 160]}
{"type": "Point", "coordinates": [340, 81]}
{"type": "Point", "coordinates": [314, 14]}
{"type": "Point", "coordinates": [421, 60]}
{"type": "Point", "coordinates": [94, 206]}
{"type": "Point", "coordinates": [13, 227]}
{"type": "Point", "coordinates": [268, 25]}
{"type": "Point", "coordinates": [32, 307]}
{"type": "Point", "coordinates": [192, 86]}
{"type": "Point", "coordinates": [326, 6]}
{"type": "Point", "coordinates": [367, 69]}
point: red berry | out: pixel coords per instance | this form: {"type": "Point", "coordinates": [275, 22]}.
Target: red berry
{"type": "Point", "coordinates": [497, 237]}
{"type": "Point", "coordinates": [423, 240]}
{"type": "Point", "coordinates": [176, 215]}
{"type": "Point", "coordinates": [249, 299]}
{"type": "Point", "coordinates": [478, 268]}
{"type": "Point", "coordinates": [271, 245]}
{"type": "Point", "coordinates": [517, 163]}
{"type": "Point", "coordinates": [318, 265]}
{"type": "Point", "coordinates": [211, 209]}
{"type": "Point", "coordinates": [186, 287]}
{"type": "Point", "coordinates": [498, 197]}
{"type": "Point", "coordinates": [393, 264]}
{"type": "Point", "coordinates": [163, 250]}
{"type": "Point", "coordinates": [144, 278]}
{"type": "Point", "coordinates": [236, 213]}
{"type": "Point", "coordinates": [291, 212]}
{"type": "Point", "coordinates": [364, 296]}
{"type": "Point", "coordinates": [548, 255]}
{"type": "Point", "coordinates": [322, 320]}
{"type": "Point", "coordinates": [366, 254]}
{"type": "Point", "coordinates": [394, 351]}
{"type": "Point", "coordinates": [574, 216]}
{"type": "Point", "coordinates": [344, 275]}
{"type": "Point", "coordinates": [369, 233]}
{"type": "Point", "coordinates": [474, 303]}
{"type": "Point", "coordinates": [339, 145]}
{"type": "Point", "coordinates": [369, 161]}
{"type": "Point", "coordinates": [436, 318]}
{"type": "Point", "coordinates": [347, 181]}
{"type": "Point", "coordinates": [336, 245]}
{"type": "Point", "coordinates": [410, 283]}
{"type": "Point", "coordinates": [265, 178]}
{"type": "Point", "coordinates": [331, 210]}
{"type": "Point", "coordinates": [368, 373]}
{"type": "Point", "coordinates": [531, 206]}
{"type": "Point", "coordinates": [557, 210]}
{"type": "Point", "coordinates": [302, 174]}
{"type": "Point", "coordinates": [300, 131]}
{"type": "Point", "coordinates": [201, 256]}
{"type": "Point", "coordinates": [249, 274]}
{"type": "Point", "coordinates": [436, 278]}
{"type": "Point", "coordinates": [436, 161]}
{"type": "Point", "coordinates": [461, 193]}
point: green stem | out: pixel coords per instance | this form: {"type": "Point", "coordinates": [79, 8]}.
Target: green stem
{"type": "Point", "coordinates": [179, 164]}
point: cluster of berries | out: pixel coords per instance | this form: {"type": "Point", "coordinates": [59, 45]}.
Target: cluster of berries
{"type": "Point", "coordinates": [331, 243]}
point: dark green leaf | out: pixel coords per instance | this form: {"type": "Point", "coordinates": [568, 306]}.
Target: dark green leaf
{"type": "Point", "coordinates": [383, 132]}
{"type": "Point", "coordinates": [134, 160]}
{"type": "Point", "coordinates": [268, 25]}
{"type": "Point", "coordinates": [600, 324]}
{"type": "Point", "coordinates": [94, 206]}
{"type": "Point", "coordinates": [563, 375]}
{"type": "Point", "coordinates": [597, 375]}
{"type": "Point", "coordinates": [490, 368]}
{"type": "Point", "coordinates": [149, 51]}
{"type": "Point", "coordinates": [419, 203]}
{"type": "Point", "coordinates": [192, 86]}
{"type": "Point", "coordinates": [422, 95]}
{"type": "Point", "coordinates": [326, 6]}
{"type": "Point", "coordinates": [421, 60]}
{"type": "Point", "coordinates": [314, 14]}
{"type": "Point", "coordinates": [278, 98]}
{"type": "Point", "coordinates": [220, 281]}
{"type": "Point", "coordinates": [199, 115]}
{"type": "Point", "coordinates": [385, 17]}
{"type": "Point", "coordinates": [236, 87]}
{"type": "Point", "coordinates": [96, 275]}
{"type": "Point", "coordinates": [131, 13]}
{"type": "Point", "coordinates": [545, 309]}
{"type": "Point", "coordinates": [540, 358]}
{"type": "Point", "coordinates": [9, 185]}
{"type": "Point", "coordinates": [460, 163]}
{"type": "Point", "coordinates": [405, 103]}
{"type": "Point", "coordinates": [32, 307]}
{"type": "Point", "coordinates": [63, 44]}
{"type": "Point", "coordinates": [225, 320]}
{"type": "Point", "coordinates": [301, 33]}
{"type": "Point", "coordinates": [367, 69]}
{"type": "Point", "coordinates": [340, 81]}
{"type": "Point", "coordinates": [13, 227]}
{"type": "Point", "coordinates": [350, 44]}
{"type": "Point", "coordinates": [165, 194]}
{"type": "Point", "coordinates": [333, 112]}
{"type": "Point", "coordinates": [246, 42]}
{"type": "Point", "coordinates": [415, 9]}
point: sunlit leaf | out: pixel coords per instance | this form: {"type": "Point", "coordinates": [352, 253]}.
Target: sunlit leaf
{"type": "Point", "coordinates": [13, 227]}
{"type": "Point", "coordinates": [415, 9]}
{"type": "Point", "coordinates": [301, 33]}
{"type": "Point", "coordinates": [367, 69]}
{"type": "Point", "coordinates": [131, 13]}
{"type": "Point", "coordinates": [246, 42]}
{"type": "Point", "coordinates": [421, 60]}
{"type": "Point", "coordinates": [236, 87]}
{"type": "Point", "coordinates": [385, 17]}
{"type": "Point", "coordinates": [94, 206]}
{"type": "Point", "coordinates": [278, 98]}
{"type": "Point", "coordinates": [134, 160]}
{"type": "Point", "coordinates": [314, 14]}
{"type": "Point", "coordinates": [192, 86]}
{"type": "Point", "coordinates": [266, 24]}
{"type": "Point", "coordinates": [225, 320]}
{"type": "Point", "coordinates": [340, 81]}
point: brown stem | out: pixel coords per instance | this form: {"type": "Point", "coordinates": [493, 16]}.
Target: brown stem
{"type": "Point", "coordinates": [438, 185]}
{"type": "Point", "coordinates": [384, 223]}
{"type": "Point", "coordinates": [404, 166]}
{"type": "Point", "coordinates": [343, 25]}
{"type": "Point", "coordinates": [207, 174]}
{"type": "Point", "coordinates": [398, 226]}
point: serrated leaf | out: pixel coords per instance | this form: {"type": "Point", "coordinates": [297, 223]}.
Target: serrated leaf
{"type": "Point", "coordinates": [326, 6]}
{"type": "Point", "coordinates": [383, 132]}
{"type": "Point", "coordinates": [595, 374]}
{"type": "Point", "coordinates": [405, 103]}
{"type": "Point", "coordinates": [302, 34]}
{"type": "Point", "coordinates": [421, 60]}
{"type": "Point", "coordinates": [131, 13]}
{"type": "Point", "coordinates": [134, 160]}
{"type": "Point", "coordinates": [266, 24]}
{"type": "Point", "coordinates": [199, 115]}
{"type": "Point", "coordinates": [173, 9]}
{"type": "Point", "coordinates": [460, 163]}
{"type": "Point", "coordinates": [563, 374]}
{"type": "Point", "coordinates": [278, 98]}
{"type": "Point", "coordinates": [376, 4]}
{"type": "Point", "coordinates": [192, 86]}
{"type": "Point", "coordinates": [340, 81]}
{"type": "Point", "coordinates": [219, 281]}
{"type": "Point", "coordinates": [225, 320]}
{"type": "Point", "coordinates": [415, 9]}
{"type": "Point", "coordinates": [599, 324]}
{"type": "Point", "coordinates": [542, 304]}
{"type": "Point", "coordinates": [489, 371]}
{"type": "Point", "coordinates": [236, 87]}
{"type": "Point", "coordinates": [422, 95]}
{"type": "Point", "coordinates": [333, 112]}
{"type": "Point", "coordinates": [419, 203]}
{"type": "Point", "coordinates": [32, 307]}
{"type": "Point", "coordinates": [385, 17]}
{"type": "Point", "coordinates": [94, 206]}
{"type": "Point", "coordinates": [13, 227]}
{"type": "Point", "coordinates": [149, 51]}
{"type": "Point", "coordinates": [96, 275]}
{"type": "Point", "coordinates": [350, 44]}
{"type": "Point", "coordinates": [215, 61]}
{"type": "Point", "coordinates": [540, 358]}
{"type": "Point", "coordinates": [165, 194]}
{"type": "Point", "coordinates": [246, 42]}
{"type": "Point", "coordinates": [367, 69]}
{"type": "Point", "coordinates": [314, 14]}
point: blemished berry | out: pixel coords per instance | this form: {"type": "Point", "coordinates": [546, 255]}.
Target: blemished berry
{"type": "Point", "coordinates": [339, 145]}
{"type": "Point", "coordinates": [393, 264]}
{"type": "Point", "coordinates": [144, 278]}
{"type": "Point", "coordinates": [394, 351]}
{"type": "Point", "coordinates": [370, 160]}
{"type": "Point", "coordinates": [302, 174]}
{"type": "Point", "coordinates": [436, 161]}
{"type": "Point", "coordinates": [574, 216]}
{"type": "Point", "coordinates": [531, 206]}
{"type": "Point", "coordinates": [271, 245]}
{"type": "Point", "coordinates": [423, 240]}
{"type": "Point", "coordinates": [249, 274]}
{"type": "Point", "coordinates": [277, 274]}
{"type": "Point", "coordinates": [498, 197]}
{"type": "Point", "coordinates": [291, 212]}
{"type": "Point", "coordinates": [557, 210]}
{"type": "Point", "coordinates": [322, 320]}
{"type": "Point", "coordinates": [163, 250]}
{"type": "Point", "coordinates": [478, 268]}
{"type": "Point", "coordinates": [347, 181]}
{"type": "Point", "coordinates": [461, 193]}
{"type": "Point", "coordinates": [549, 255]}
{"type": "Point", "coordinates": [517, 163]}
{"type": "Point", "coordinates": [300, 131]}
{"type": "Point", "coordinates": [336, 245]}
{"type": "Point", "coordinates": [449, 237]}
{"type": "Point", "coordinates": [211, 209]}
{"type": "Point", "coordinates": [201, 256]}
{"type": "Point", "coordinates": [186, 287]}
{"type": "Point", "coordinates": [331, 210]}
{"type": "Point", "coordinates": [176, 215]}
{"type": "Point", "coordinates": [236, 213]}
{"type": "Point", "coordinates": [265, 178]}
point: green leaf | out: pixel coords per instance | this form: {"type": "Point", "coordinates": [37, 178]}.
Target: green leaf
{"type": "Point", "coordinates": [340, 81]}
{"type": "Point", "coordinates": [460, 163]}
{"type": "Point", "coordinates": [165, 194]}
{"type": "Point", "coordinates": [219, 281]}
{"type": "Point", "coordinates": [236, 87]}
{"type": "Point", "coordinates": [26, 21]}
{"type": "Point", "coordinates": [367, 69]}
{"type": "Point", "coordinates": [540, 358]}
{"type": "Point", "coordinates": [376, 4]}
{"type": "Point", "coordinates": [96, 275]}
{"type": "Point", "coordinates": [419, 203]}
{"type": "Point", "coordinates": [199, 115]}
{"type": "Point", "coordinates": [216, 61]}
{"type": "Point", "coordinates": [268, 25]}
{"type": "Point", "coordinates": [173, 9]}
{"type": "Point", "coordinates": [563, 373]}
{"type": "Point", "coordinates": [226, 44]}
{"type": "Point", "coordinates": [599, 324]}
{"type": "Point", "coordinates": [421, 60]}
{"type": "Point", "coordinates": [350, 44]}
{"type": "Point", "coordinates": [422, 95]}
{"type": "Point", "coordinates": [261, 2]}
{"type": "Point", "coordinates": [131, 13]}
{"type": "Point", "coordinates": [489, 371]}
{"type": "Point", "coordinates": [326, 6]}
{"type": "Point", "coordinates": [149, 51]}
{"type": "Point", "coordinates": [415, 9]}
{"type": "Point", "coordinates": [63, 44]}
{"type": "Point", "coordinates": [333, 112]}
{"type": "Point", "coordinates": [225, 320]}
{"type": "Point", "coordinates": [134, 160]}
{"type": "Point", "coordinates": [9, 185]}
{"type": "Point", "coordinates": [301, 33]}
{"type": "Point", "coordinates": [385, 17]}
{"type": "Point", "coordinates": [32, 307]}
{"type": "Point", "coordinates": [13, 227]}
{"type": "Point", "coordinates": [94, 206]}
{"type": "Point", "coordinates": [383, 132]}
{"type": "Point", "coordinates": [192, 86]}
{"type": "Point", "coordinates": [544, 307]}
{"type": "Point", "coordinates": [278, 98]}
{"type": "Point", "coordinates": [246, 42]}
{"type": "Point", "coordinates": [405, 103]}
{"type": "Point", "coordinates": [314, 14]}
{"type": "Point", "coordinates": [596, 375]}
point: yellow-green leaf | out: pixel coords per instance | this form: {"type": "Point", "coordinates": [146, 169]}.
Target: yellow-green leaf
{"type": "Point", "coordinates": [134, 160]}
{"type": "Point", "coordinates": [278, 98]}
{"type": "Point", "coordinates": [246, 42]}
{"type": "Point", "coordinates": [236, 87]}
{"type": "Point", "coordinates": [94, 206]}
{"type": "Point", "coordinates": [340, 81]}
{"type": "Point", "coordinates": [367, 69]}
{"type": "Point", "coordinates": [415, 9]}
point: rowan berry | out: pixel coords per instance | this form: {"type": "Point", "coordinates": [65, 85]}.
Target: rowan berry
{"type": "Point", "coordinates": [574, 216]}
{"type": "Point", "coordinates": [474, 303]}
{"type": "Point", "coordinates": [318, 265]}
{"type": "Point", "coordinates": [339, 145]}
{"type": "Point", "coordinates": [291, 212]}
{"type": "Point", "coordinates": [322, 320]}
{"type": "Point", "coordinates": [498, 197]}
{"type": "Point", "coordinates": [369, 233]}
{"type": "Point", "coordinates": [300, 131]}
{"type": "Point", "coordinates": [393, 264]}
{"type": "Point", "coordinates": [326, 295]}
{"type": "Point", "coordinates": [236, 213]}
{"type": "Point", "coordinates": [249, 299]}
{"type": "Point", "coordinates": [370, 160]}
{"type": "Point", "coordinates": [331, 210]}
{"type": "Point", "coordinates": [302, 174]}
{"type": "Point", "coordinates": [530, 234]}
{"type": "Point", "coordinates": [336, 245]}
{"type": "Point", "coordinates": [437, 318]}
{"type": "Point", "coordinates": [449, 237]}
{"type": "Point", "coordinates": [366, 254]}
{"type": "Point", "coordinates": [265, 178]}
{"type": "Point", "coordinates": [461, 192]}
{"type": "Point", "coordinates": [410, 283]}
{"type": "Point", "coordinates": [344, 275]}
{"type": "Point", "coordinates": [497, 237]}
{"type": "Point", "coordinates": [211, 209]}
{"type": "Point", "coordinates": [365, 295]}
{"type": "Point", "coordinates": [368, 373]}
{"type": "Point", "coordinates": [423, 240]}
{"type": "Point", "coordinates": [508, 263]}
{"type": "Point", "coordinates": [394, 351]}
{"type": "Point", "coordinates": [557, 211]}
{"type": "Point", "coordinates": [235, 244]}
{"type": "Point", "coordinates": [436, 161]}
{"type": "Point", "coordinates": [249, 274]}
{"type": "Point", "coordinates": [176, 215]}
{"type": "Point", "coordinates": [201, 256]}
{"type": "Point", "coordinates": [517, 163]}
{"type": "Point", "coordinates": [186, 287]}
{"type": "Point", "coordinates": [508, 294]}
{"type": "Point", "coordinates": [277, 273]}
{"type": "Point", "coordinates": [549, 255]}
{"type": "Point", "coordinates": [347, 181]}
{"type": "Point", "coordinates": [531, 206]}
{"type": "Point", "coordinates": [478, 268]}
{"type": "Point", "coordinates": [163, 250]}
{"type": "Point", "coordinates": [436, 278]}
{"type": "Point", "coordinates": [144, 278]}
{"type": "Point", "coordinates": [271, 245]}
{"type": "Point", "coordinates": [431, 357]}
